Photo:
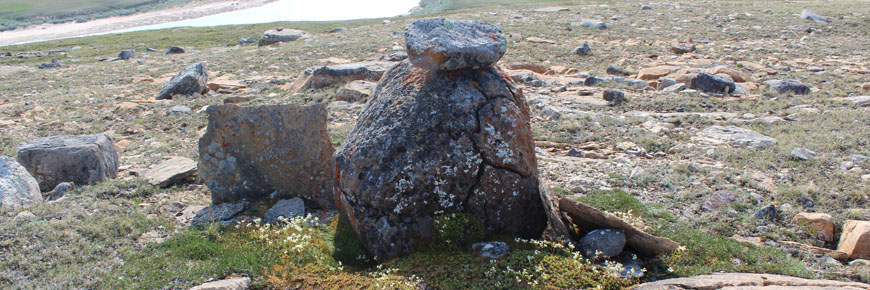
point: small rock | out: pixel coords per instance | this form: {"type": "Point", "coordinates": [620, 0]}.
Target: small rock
{"type": "Point", "coordinates": [819, 223]}
{"type": "Point", "coordinates": [540, 40]}
{"type": "Point", "coordinates": [675, 88]}
{"type": "Point", "coordinates": [552, 9]}
{"type": "Point", "coordinates": [125, 54]}
{"type": "Point", "coordinates": [801, 153]}
{"type": "Point", "coordinates": [614, 97]}
{"type": "Point", "coordinates": [550, 113]}
{"type": "Point", "coordinates": [59, 191]}
{"type": "Point", "coordinates": [769, 213]}
{"type": "Point", "coordinates": [286, 208]}
{"type": "Point", "coordinates": [846, 165]}
{"type": "Point", "coordinates": [683, 48]}
{"type": "Point", "coordinates": [717, 199]}
{"type": "Point", "coordinates": [855, 239]}
{"type": "Point", "coordinates": [582, 50]}
{"type": "Point", "coordinates": [863, 101]}
{"type": "Point", "coordinates": [355, 91]}
{"type": "Point", "coordinates": [178, 110]}
{"type": "Point", "coordinates": [807, 14]}
{"type": "Point", "coordinates": [247, 40]}
{"type": "Point", "coordinates": [593, 24]}
{"type": "Point", "coordinates": [25, 216]}
{"type": "Point", "coordinates": [242, 283]}
{"type": "Point", "coordinates": [788, 86]}
{"type": "Point", "coordinates": [171, 172]}
{"type": "Point", "coordinates": [219, 212]}
{"type": "Point", "coordinates": [654, 73]}
{"type": "Point", "coordinates": [175, 50]}
{"type": "Point", "coordinates": [53, 64]}
{"type": "Point", "coordinates": [617, 71]}
{"type": "Point", "coordinates": [646, 7]}
{"type": "Point", "coordinates": [603, 244]}
{"type": "Point", "coordinates": [666, 83]}
{"type": "Point", "coordinates": [491, 250]}
{"type": "Point", "coordinates": [574, 152]}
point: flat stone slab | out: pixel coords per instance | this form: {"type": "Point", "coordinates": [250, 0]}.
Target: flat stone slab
{"type": "Point", "coordinates": [273, 36]}
{"type": "Point", "coordinates": [734, 136]}
{"type": "Point", "coordinates": [170, 172]}
{"type": "Point", "coordinates": [318, 77]}
{"type": "Point", "coordinates": [84, 159]}
{"type": "Point", "coordinates": [863, 101]}
{"type": "Point", "coordinates": [734, 281]}
{"type": "Point", "coordinates": [218, 212]}
{"type": "Point", "coordinates": [442, 44]}
{"type": "Point", "coordinates": [241, 283]}
{"type": "Point", "coordinates": [287, 208]}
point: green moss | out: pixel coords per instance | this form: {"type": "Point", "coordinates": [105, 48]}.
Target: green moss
{"type": "Point", "coordinates": [457, 230]}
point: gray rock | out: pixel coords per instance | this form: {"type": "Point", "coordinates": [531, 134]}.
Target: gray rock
{"type": "Point", "coordinates": [125, 54]}
{"type": "Point", "coordinates": [593, 24]}
{"type": "Point", "coordinates": [734, 136]}
{"type": "Point", "coordinates": [859, 158]}
{"type": "Point", "coordinates": [442, 44]}
{"type": "Point", "coordinates": [582, 50]}
{"type": "Point", "coordinates": [665, 83]}
{"type": "Point", "coordinates": [24, 216]}
{"type": "Point", "coordinates": [552, 9]}
{"type": "Point", "coordinates": [683, 48]}
{"type": "Point", "coordinates": [801, 153]}
{"type": "Point", "coordinates": [427, 143]}
{"type": "Point", "coordinates": [286, 208]}
{"type": "Point", "coordinates": [318, 77]}
{"type": "Point", "coordinates": [175, 50]}
{"type": "Point", "coordinates": [788, 86]}
{"type": "Point", "coordinates": [241, 283]}
{"type": "Point", "coordinates": [717, 199]}
{"type": "Point", "coordinates": [551, 113]}
{"type": "Point", "coordinates": [337, 30]}
{"type": "Point", "coordinates": [277, 35]}
{"type": "Point", "coordinates": [178, 110]}
{"type": "Point", "coordinates": [192, 80]}
{"type": "Point", "coordinates": [646, 7]}
{"type": "Point", "coordinates": [218, 212]}
{"type": "Point", "coordinates": [491, 250]}
{"type": "Point", "coordinates": [251, 152]}
{"type": "Point", "coordinates": [171, 172]}
{"type": "Point", "coordinates": [846, 165]}
{"type": "Point", "coordinates": [769, 213]}
{"type": "Point", "coordinates": [53, 64]}
{"type": "Point", "coordinates": [17, 187]}
{"type": "Point", "coordinates": [710, 83]}
{"type": "Point", "coordinates": [863, 101]}
{"type": "Point", "coordinates": [396, 56]}
{"type": "Point", "coordinates": [807, 14]}
{"type": "Point", "coordinates": [85, 160]}
{"type": "Point", "coordinates": [574, 152]}
{"type": "Point", "coordinates": [614, 97]}
{"type": "Point", "coordinates": [338, 106]}
{"type": "Point", "coordinates": [355, 91]}
{"type": "Point", "coordinates": [247, 40]}
{"type": "Point", "coordinates": [617, 71]}
{"type": "Point", "coordinates": [675, 88]}
{"type": "Point", "coordinates": [603, 244]}
{"type": "Point", "coordinates": [60, 191]}
{"type": "Point", "coordinates": [591, 81]}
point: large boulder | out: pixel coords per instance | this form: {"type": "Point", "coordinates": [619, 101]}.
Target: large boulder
{"type": "Point", "coordinates": [279, 151]}
{"type": "Point", "coordinates": [318, 77]}
{"type": "Point", "coordinates": [17, 187]}
{"type": "Point", "coordinates": [191, 80]}
{"type": "Point", "coordinates": [439, 141]}
{"type": "Point", "coordinates": [442, 44]}
{"type": "Point", "coordinates": [277, 35]}
{"type": "Point", "coordinates": [711, 83]}
{"type": "Point", "coordinates": [83, 160]}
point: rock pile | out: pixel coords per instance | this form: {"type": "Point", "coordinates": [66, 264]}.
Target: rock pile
{"type": "Point", "coordinates": [444, 133]}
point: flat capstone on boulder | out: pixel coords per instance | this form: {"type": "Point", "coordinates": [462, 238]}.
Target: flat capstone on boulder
{"type": "Point", "coordinates": [442, 44]}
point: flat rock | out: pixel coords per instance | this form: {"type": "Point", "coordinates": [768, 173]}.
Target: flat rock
{"type": "Point", "coordinates": [863, 101]}
{"type": "Point", "coordinates": [84, 159]}
{"type": "Point", "coordinates": [218, 212]}
{"type": "Point", "coordinates": [318, 77]}
{"type": "Point", "coordinates": [252, 152]}
{"type": "Point", "coordinates": [192, 80]}
{"type": "Point", "coordinates": [748, 281]}
{"type": "Point", "coordinates": [552, 9]}
{"type": "Point", "coordinates": [654, 73]}
{"type": "Point", "coordinates": [241, 283]}
{"type": "Point", "coordinates": [717, 199]}
{"type": "Point", "coordinates": [588, 23]}
{"type": "Point", "coordinates": [277, 35]}
{"type": "Point", "coordinates": [788, 86]}
{"type": "Point", "coordinates": [586, 219]}
{"type": "Point", "coordinates": [356, 91]}
{"type": "Point", "coordinates": [170, 172]}
{"type": "Point", "coordinates": [807, 14]}
{"type": "Point", "coordinates": [801, 153]}
{"type": "Point", "coordinates": [17, 187]}
{"type": "Point", "coordinates": [734, 136]}
{"type": "Point", "coordinates": [442, 44]}
{"type": "Point", "coordinates": [285, 208]}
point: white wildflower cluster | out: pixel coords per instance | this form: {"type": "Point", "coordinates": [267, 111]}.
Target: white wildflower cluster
{"type": "Point", "coordinates": [292, 236]}
{"type": "Point", "coordinates": [388, 279]}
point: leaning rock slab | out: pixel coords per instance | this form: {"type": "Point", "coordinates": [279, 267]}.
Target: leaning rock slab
{"type": "Point", "coordinates": [170, 172]}
{"type": "Point", "coordinates": [191, 80]}
{"type": "Point", "coordinates": [17, 187]}
{"type": "Point", "coordinates": [585, 219]}
{"type": "Point", "coordinates": [84, 160]}
{"type": "Point", "coordinates": [273, 36]}
{"type": "Point", "coordinates": [252, 152]}
{"type": "Point", "coordinates": [319, 77]}
{"type": "Point", "coordinates": [442, 44]}
{"type": "Point", "coordinates": [855, 239]}
{"type": "Point", "coordinates": [734, 136]}
{"type": "Point", "coordinates": [748, 281]}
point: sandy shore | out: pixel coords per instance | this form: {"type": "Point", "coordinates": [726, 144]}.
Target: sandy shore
{"type": "Point", "coordinates": [191, 10]}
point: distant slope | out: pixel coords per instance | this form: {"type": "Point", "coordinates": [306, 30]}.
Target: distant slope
{"type": "Point", "coordinates": [21, 13]}
{"type": "Point", "coordinates": [436, 6]}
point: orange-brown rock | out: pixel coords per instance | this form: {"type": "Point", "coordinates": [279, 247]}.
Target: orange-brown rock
{"type": "Point", "coordinates": [749, 86]}
{"type": "Point", "coordinates": [535, 67]}
{"type": "Point", "coordinates": [866, 86]}
{"type": "Point", "coordinates": [735, 74]}
{"type": "Point", "coordinates": [855, 239]}
{"type": "Point", "coordinates": [654, 73]}
{"type": "Point", "coordinates": [820, 224]}
{"type": "Point", "coordinates": [748, 281]}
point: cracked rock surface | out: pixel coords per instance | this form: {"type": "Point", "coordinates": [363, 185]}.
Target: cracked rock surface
{"type": "Point", "coordinates": [432, 142]}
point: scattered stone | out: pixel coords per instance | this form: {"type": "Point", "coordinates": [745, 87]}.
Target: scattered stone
{"type": "Point", "coordinates": [586, 219]}
{"type": "Point", "coordinates": [491, 250]}
{"type": "Point", "coordinates": [191, 80]}
{"type": "Point", "coordinates": [582, 50]}
{"type": "Point", "coordinates": [863, 101]}
{"type": "Point", "coordinates": [551, 113]}
{"type": "Point", "coordinates": [338, 106]}
{"type": "Point", "coordinates": [855, 239]}
{"type": "Point", "coordinates": [242, 283]}
{"type": "Point", "coordinates": [734, 136]}
{"type": "Point", "coordinates": [171, 172]}
{"type": "Point", "coordinates": [617, 71]}
{"type": "Point", "coordinates": [769, 213]}
{"type": "Point", "coordinates": [666, 83]}
{"type": "Point", "coordinates": [552, 9]}
{"type": "Point", "coordinates": [603, 244]}
{"type": "Point", "coordinates": [593, 24]}
{"type": "Point", "coordinates": [717, 199]}
{"type": "Point", "coordinates": [807, 14]}
{"type": "Point", "coordinates": [277, 35]}
{"type": "Point", "coordinates": [614, 97]}
{"type": "Point", "coordinates": [17, 187]}
{"type": "Point", "coordinates": [675, 88]}
{"type": "Point", "coordinates": [59, 191]}
{"type": "Point", "coordinates": [356, 91]}
{"type": "Point", "coordinates": [801, 153]}
{"type": "Point", "coordinates": [396, 56]}
{"type": "Point", "coordinates": [337, 30]}
{"type": "Point", "coordinates": [821, 224]}
{"type": "Point", "coordinates": [711, 83]}
{"type": "Point", "coordinates": [442, 44]}
{"type": "Point", "coordinates": [654, 73]}
{"type": "Point", "coordinates": [175, 50]}
{"type": "Point", "coordinates": [53, 64]}
{"type": "Point", "coordinates": [646, 7]}
{"type": "Point", "coordinates": [85, 159]}
{"type": "Point", "coordinates": [683, 48]}
{"type": "Point", "coordinates": [218, 212]}
{"type": "Point", "coordinates": [540, 40]}
{"type": "Point", "coordinates": [179, 110]}
{"type": "Point", "coordinates": [246, 40]}
{"type": "Point", "coordinates": [748, 281]}
{"type": "Point", "coordinates": [788, 86]}
{"type": "Point", "coordinates": [124, 55]}
{"type": "Point", "coordinates": [25, 216]}
{"type": "Point", "coordinates": [574, 152]}
{"type": "Point", "coordinates": [318, 77]}
{"type": "Point", "coordinates": [239, 157]}
{"type": "Point", "coordinates": [286, 208]}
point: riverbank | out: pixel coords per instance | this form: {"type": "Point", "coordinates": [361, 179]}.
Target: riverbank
{"type": "Point", "coordinates": [192, 10]}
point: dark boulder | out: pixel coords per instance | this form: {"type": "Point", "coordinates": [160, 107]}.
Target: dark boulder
{"type": "Point", "coordinates": [191, 80]}
{"type": "Point", "coordinates": [85, 160]}
{"type": "Point", "coordinates": [175, 50]}
{"type": "Point", "coordinates": [710, 83]}
{"type": "Point", "coordinates": [788, 86]}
